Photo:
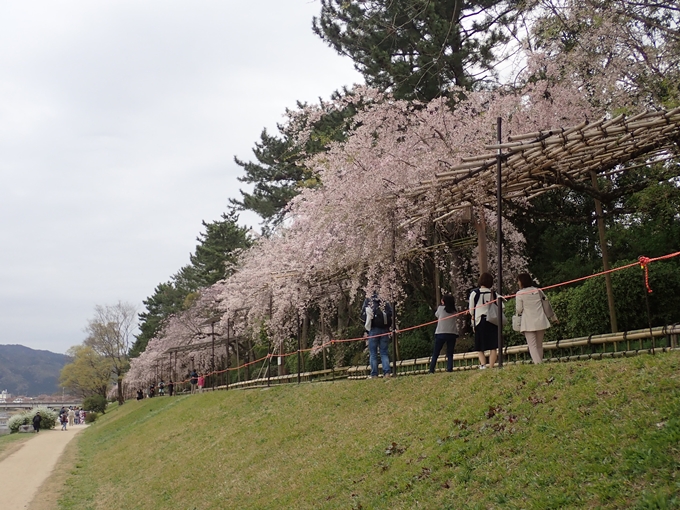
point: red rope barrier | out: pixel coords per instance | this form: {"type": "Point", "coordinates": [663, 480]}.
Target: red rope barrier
{"type": "Point", "coordinates": [643, 262]}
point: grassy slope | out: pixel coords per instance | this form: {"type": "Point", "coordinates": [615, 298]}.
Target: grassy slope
{"type": "Point", "coordinates": [595, 434]}
{"type": "Point", "coordinates": [10, 442]}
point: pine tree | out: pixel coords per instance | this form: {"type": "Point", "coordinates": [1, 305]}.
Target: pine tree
{"type": "Point", "coordinates": [417, 49]}
{"type": "Point", "coordinates": [214, 259]}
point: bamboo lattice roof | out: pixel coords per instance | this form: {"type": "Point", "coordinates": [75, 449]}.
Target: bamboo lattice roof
{"type": "Point", "coordinates": [534, 163]}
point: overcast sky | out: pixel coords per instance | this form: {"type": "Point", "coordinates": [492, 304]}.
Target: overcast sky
{"type": "Point", "coordinates": [119, 121]}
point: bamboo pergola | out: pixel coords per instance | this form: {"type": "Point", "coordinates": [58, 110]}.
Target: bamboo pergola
{"type": "Point", "coordinates": [534, 163]}
{"type": "Point", "coordinates": [530, 164]}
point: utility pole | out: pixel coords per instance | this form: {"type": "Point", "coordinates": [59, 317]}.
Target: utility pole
{"type": "Point", "coordinates": [499, 241]}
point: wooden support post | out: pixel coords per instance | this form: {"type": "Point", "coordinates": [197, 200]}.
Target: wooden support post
{"type": "Point", "coordinates": [499, 242]}
{"type": "Point", "coordinates": [323, 339]}
{"type": "Point", "coordinates": [226, 368]}
{"type": "Point", "coordinates": [605, 256]}
{"type": "Point", "coordinates": [482, 253]}
{"type": "Point", "coordinates": [299, 352]}
{"type": "Point", "coordinates": [437, 275]}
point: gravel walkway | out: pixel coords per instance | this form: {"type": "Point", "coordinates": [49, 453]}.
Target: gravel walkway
{"type": "Point", "coordinates": [23, 472]}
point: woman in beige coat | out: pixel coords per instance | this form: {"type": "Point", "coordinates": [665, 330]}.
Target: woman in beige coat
{"type": "Point", "coordinates": [534, 320]}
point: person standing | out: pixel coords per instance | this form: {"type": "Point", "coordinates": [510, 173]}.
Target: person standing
{"type": "Point", "coordinates": [140, 394]}
{"type": "Point", "coordinates": [446, 332]}
{"type": "Point", "coordinates": [377, 317]}
{"type": "Point", "coordinates": [193, 379]}
{"type": "Point", "coordinates": [36, 422]}
{"type": "Point", "coordinates": [486, 334]}
{"type": "Point", "coordinates": [71, 417]}
{"type": "Point", "coordinates": [534, 320]}
{"type": "Point", "coordinates": [171, 388]}
{"type": "Point", "coordinates": [201, 382]}
{"type": "Point", "coordinates": [63, 418]}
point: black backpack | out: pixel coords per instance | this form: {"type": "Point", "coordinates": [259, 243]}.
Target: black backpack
{"type": "Point", "coordinates": [382, 315]}
{"type": "Point", "coordinates": [478, 293]}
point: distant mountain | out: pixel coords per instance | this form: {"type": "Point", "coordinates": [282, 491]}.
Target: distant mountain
{"type": "Point", "coordinates": [25, 371]}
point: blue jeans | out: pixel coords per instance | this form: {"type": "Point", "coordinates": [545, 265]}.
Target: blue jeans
{"type": "Point", "coordinates": [439, 340]}
{"type": "Point", "coordinates": [382, 341]}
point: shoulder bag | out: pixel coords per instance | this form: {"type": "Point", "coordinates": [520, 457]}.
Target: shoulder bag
{"type": "Point", "coordinates": [495, 312]}
{"type": "Point", "coordinates": [547, 308]}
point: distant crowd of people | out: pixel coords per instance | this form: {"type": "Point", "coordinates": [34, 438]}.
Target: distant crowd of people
{"type": "Point", "coordinates": [196, 382]}
{"type": "Point", "coordinates": [533, 315]}
{"type": "Point", "coordinates": [71, 416]}
{"type": "Point", "coordinates": [67, 417]}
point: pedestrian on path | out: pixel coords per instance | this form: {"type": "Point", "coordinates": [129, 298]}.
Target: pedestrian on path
{"type": "Point", "coordinates": [71, 417]}
{"type": "Point", "coordinates": [36, 422]}
{"type": "Point", "coordinates": [63, 418]}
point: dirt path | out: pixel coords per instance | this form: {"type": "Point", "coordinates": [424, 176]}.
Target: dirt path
{"type": "Point", "coordinates": [23, 472]}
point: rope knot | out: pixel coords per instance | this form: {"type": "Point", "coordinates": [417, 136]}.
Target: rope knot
{"type": "Point", "coordinates": [644, 261]}
{"type": "Point", "coordinates": [644, 265]}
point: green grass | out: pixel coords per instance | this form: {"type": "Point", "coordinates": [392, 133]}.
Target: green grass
{"type": "Point", "coordinates": [9, 441]}
{"type": "Point", "coordinates": [599, 434]}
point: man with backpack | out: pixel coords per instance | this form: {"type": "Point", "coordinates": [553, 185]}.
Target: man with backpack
{"type": "Point", "coordinates": [377, 317]}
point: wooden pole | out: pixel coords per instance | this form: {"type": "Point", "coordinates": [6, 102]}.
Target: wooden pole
{"type": "Point", "coordinates": [299, 352]}
{"type": "Point", "coordinates": [437, 275]}
{"type": "Point", "coordinates": [605, 256]}
{"type": "Point", "coordinates": [482, 253]}
{"type": "Point", "coordinates": [395, 351]}
{"type": "Point", "coordinates": [226, 368]}
{"type": "Point", "coordinates": [499, 242]}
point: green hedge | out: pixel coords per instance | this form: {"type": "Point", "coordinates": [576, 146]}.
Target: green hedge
{"type": "Point", "coordinates": [583, 310]}
{"type": "Point", "coordinates": [95, 403]}
{"type": "Point", "coordinates": [49, 419]}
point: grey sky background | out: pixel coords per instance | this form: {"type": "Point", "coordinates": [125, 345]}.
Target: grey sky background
{"type": "Point", "coordinates": [119, 121]}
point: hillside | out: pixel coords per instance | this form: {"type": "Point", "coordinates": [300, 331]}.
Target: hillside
{"type": "Point", "coordinates": [25, 371]}
{"type": "Point", "coordinates": [597, 434]}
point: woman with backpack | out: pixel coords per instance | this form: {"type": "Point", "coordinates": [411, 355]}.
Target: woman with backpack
{"type": "Point", "coordinates": [377, 317]}
{"type": "Point", "coordinates": [446, 332]}
{"type": "Point", "coordinates": [486, 334]}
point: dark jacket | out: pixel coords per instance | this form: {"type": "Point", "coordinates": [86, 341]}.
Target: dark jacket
{"type": "Point", "coordinates": [381, 320]}
{"type": "Point", "coordinates": [36, 420]}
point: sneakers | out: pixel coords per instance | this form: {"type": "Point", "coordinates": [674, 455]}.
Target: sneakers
{"type": "Point", "coordinates": [482, 367]}
{"type": "Point", "coordinates": [387, 375]}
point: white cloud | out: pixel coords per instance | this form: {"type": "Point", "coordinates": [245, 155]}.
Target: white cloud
{"type": "Point", "coordinates": [119, 121]}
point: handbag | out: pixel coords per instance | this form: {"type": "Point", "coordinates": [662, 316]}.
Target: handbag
{"type": "Point", "coordinates": [516, 322]}
{"type": "Point", "coordinates": [493, 315]}
{"type": "Point", "coordinates": [547, 308]}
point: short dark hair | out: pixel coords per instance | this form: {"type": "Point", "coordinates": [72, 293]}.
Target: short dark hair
{"type": "Point", "coordinates": [525, 280]}
{"type": "Point", "coordinates": [449, 303]}
{"type": "Point", "coordinates": [485, 280]}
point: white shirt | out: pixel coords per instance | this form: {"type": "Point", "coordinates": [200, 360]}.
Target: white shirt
{"type": "Point", "coordinates": [482, 303]}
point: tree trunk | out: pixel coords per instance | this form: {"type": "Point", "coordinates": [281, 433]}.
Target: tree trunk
{"type": "Point", "coordinates": [121, 399]}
